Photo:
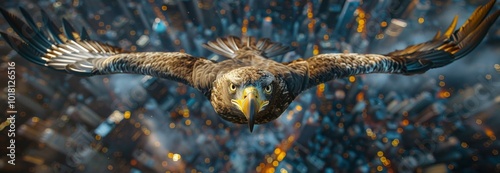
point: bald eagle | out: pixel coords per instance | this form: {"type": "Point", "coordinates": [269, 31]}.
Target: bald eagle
{"type": "Point", "coordinates": [247, 87]}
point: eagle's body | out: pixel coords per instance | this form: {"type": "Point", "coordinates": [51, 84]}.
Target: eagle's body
{"type": "Point", "coordinates": [249, 67]}
{"type": "Point", "coordinates": [247, 87]}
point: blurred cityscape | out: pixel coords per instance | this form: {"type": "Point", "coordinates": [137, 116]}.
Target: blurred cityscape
{"type": "Point", "coordinates": [442, 121]}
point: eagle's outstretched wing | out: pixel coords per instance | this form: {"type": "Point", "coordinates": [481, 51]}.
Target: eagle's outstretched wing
{"type": "Point", "coordinates": [76, 53]}
{"type": "Point", "coordinates": [440, 51]}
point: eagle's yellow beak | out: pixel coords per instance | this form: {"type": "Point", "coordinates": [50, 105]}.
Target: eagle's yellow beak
{"type": "Point", "coordinates": [250, 104]}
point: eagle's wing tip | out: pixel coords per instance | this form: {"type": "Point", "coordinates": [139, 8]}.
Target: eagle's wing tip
{"type": "Point", "coordinates": [64, 51]}
{"type": "Point", "coordinates": [450, 45]}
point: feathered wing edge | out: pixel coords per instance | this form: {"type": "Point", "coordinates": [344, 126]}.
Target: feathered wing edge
{"type": "Point", "coordinates": [47, 46]}
{"type": "Point", "coordinates": [231, 45]}
{"type": "Point", "coordinates": [451, 45]}
{"type": "Point", "coordinates": [77, 54]}
{"type": "Point", "coordinates": [440, 51]}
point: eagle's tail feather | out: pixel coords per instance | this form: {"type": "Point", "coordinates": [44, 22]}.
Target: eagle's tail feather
{"type": "Point", "coordinates": [226, 47]}
{"type": "Point", "coordinates": [450, 46]}
{"type": "Point", "coordinates": [270, 49]}
{"type": "Point", "coordinates": [230, 46]}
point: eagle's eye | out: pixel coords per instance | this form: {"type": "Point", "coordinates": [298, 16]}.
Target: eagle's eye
{"type": "Point", "coordinates": [268, 89]}
{"type": "Point", "coordinates": [232, 88]}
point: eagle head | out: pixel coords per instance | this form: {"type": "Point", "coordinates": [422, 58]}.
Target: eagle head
{"type": "Point", "coordinates": [249, 95]}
